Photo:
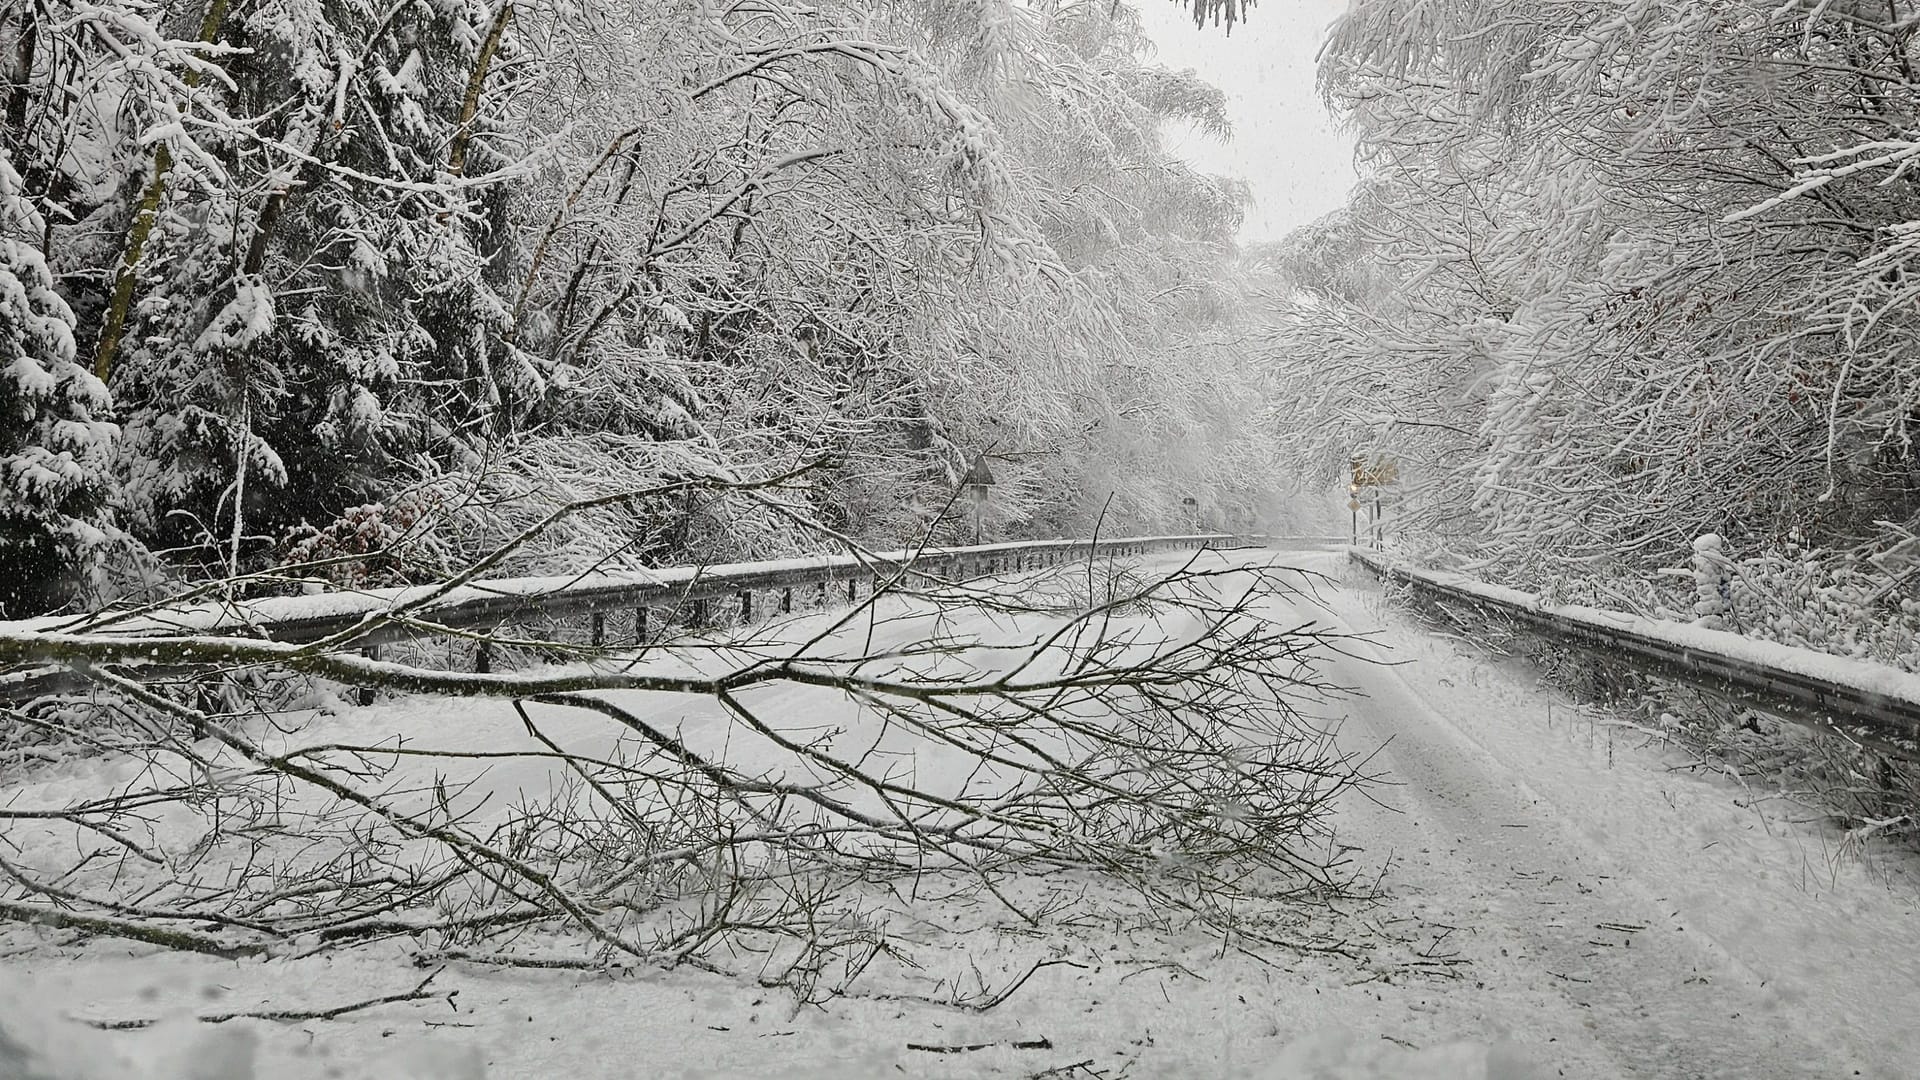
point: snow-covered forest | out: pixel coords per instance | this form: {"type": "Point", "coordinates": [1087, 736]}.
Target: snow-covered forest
{"type": "Point", "coordinates": [740, 537]}
{"type": "Point", "coordinates": [1627, 290]}
{"type": "Point", "coordinates": [289, 282]}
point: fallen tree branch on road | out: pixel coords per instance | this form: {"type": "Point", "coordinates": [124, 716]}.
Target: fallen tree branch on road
{"type": "Point", "coordinates": [750, 805]}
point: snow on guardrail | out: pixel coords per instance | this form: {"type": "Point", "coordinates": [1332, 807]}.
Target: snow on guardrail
{"type": "Point", "coordinates": [572, 592]}
{"type": "Point", "coordinates": [495, 602]}
{"type": "Point", "coordinates": [1867, 701]}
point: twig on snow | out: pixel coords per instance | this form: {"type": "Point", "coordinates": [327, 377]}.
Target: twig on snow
{"type": "Point", "coordinates": [418, 993]}
{"type": "Point", "coordinates": [1041, 1043]}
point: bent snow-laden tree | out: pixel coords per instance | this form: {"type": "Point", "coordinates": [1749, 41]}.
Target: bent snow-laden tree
{"type": "Point", "coordinates": [771, 801]}
{"type": "Point", "coordinates": [1620, 277]}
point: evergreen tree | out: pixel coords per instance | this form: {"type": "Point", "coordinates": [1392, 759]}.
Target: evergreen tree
{"type": "Point", "coordinates": [54, 436]}
{"type": "Point", "coordinates": [316, 321]}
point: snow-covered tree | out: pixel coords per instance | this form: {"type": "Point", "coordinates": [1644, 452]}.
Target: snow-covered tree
{"type": "Point", "coordinates": [330, 251]}
{"type": "Point", "coordinates": [55, 437]}
{"type": "Point", "coordinates": [961, 236]}
{"type": "Point", "coordinates": [1648, 274]}
{"type": "Point", "coordinates": [318, 312]}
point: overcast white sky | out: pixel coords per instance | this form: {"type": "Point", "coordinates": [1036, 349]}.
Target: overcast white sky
{"type": "Point", "coordinates": [1284, 143]}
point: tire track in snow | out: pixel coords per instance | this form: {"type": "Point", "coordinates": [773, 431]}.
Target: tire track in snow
{"type": "Point", "coordinates": [1586, 941]}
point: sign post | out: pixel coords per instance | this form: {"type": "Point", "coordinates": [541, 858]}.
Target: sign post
{"type": "Point", "coordinates": [1371, 473]}
{"type": "Point", "coordinates": [978, 479]}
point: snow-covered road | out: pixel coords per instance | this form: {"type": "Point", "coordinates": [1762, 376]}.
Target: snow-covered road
{"type": "Point", "coordinates": [1561, 897]}
{"type": "Point", "coordinates": [1627, 918]}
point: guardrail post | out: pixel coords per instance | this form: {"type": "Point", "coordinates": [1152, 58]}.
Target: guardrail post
{"type": "Point", "coordinates": [364, 696]}
{"type": "Point", "coordinates": [483, 657]}
{"type": "Point", "coordinates": [699, 611]}
{"type": "Point", "coordinates": [786, 600]}
{"type": "Point", "coordinates": [823, 594]}
{"type": "Point", "coordinates": [853, 589]}
{"type": "Point", "coordinates": [599, 631]}
{"type": "Point", "coordinates": [746, 605]}
{"type": "Point", "coordinates": [640, 625]}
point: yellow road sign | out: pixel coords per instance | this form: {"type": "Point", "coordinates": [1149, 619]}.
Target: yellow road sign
{"type": "Point", "coordinates": [1376, 471]}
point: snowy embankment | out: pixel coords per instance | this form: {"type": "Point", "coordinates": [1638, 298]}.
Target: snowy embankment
{"type": "Point", "coordinates": [1560, 898]}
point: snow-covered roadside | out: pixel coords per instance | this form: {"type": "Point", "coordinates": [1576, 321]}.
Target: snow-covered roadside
{"type": "Point", "coordinates": [1535, 834]}
{"type": "Point", "coordinates": [1697, 931]}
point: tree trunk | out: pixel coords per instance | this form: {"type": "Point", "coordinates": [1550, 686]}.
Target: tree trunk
{"type": "Point", "coordinates": [476, 83]}
{"type": "Point", "coordinates": [24, 45]}
{"type": "Point", "coordinates": [143, 218]}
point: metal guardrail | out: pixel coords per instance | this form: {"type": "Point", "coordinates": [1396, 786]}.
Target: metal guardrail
{"type": "Point", "coordinates": [680, 595]}
{"type": "Point", "coordinates": [1275, 540]}
{"type": "Point", "coordinates": [1884, 716]}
